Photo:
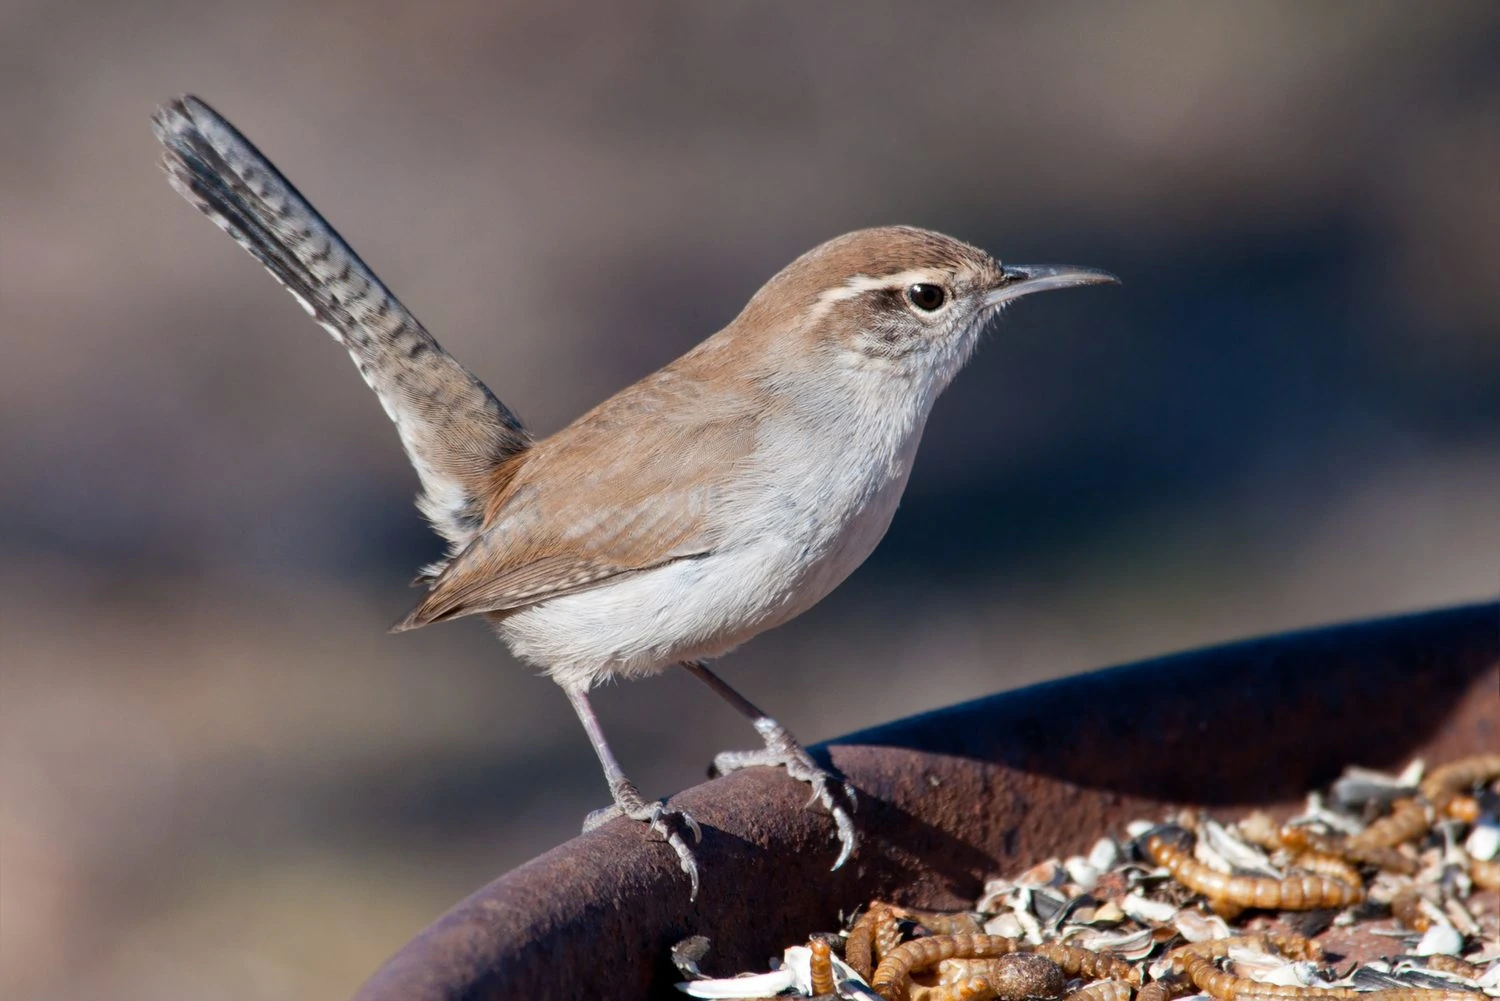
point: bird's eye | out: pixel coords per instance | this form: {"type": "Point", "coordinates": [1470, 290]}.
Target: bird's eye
{"type": "Point", "coordinates": [927, 297]}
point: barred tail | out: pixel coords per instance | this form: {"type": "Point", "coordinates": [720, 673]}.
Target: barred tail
{"type": "Point", "coordinates": [453, 428]}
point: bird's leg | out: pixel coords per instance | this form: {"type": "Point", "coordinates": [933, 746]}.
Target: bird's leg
{"type": "Point", "coordinates": [783, 750]}
{"type": "Point", "coordinates": [628, 799]}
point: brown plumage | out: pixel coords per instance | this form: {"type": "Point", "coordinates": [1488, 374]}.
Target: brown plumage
{"type": "Point", "coordinates": [540, 540]}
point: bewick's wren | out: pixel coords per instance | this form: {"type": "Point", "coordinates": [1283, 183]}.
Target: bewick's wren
{"type": "Point", "coordinates": [712, 500]}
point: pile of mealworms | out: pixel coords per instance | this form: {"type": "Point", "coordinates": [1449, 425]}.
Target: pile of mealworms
{"type": "Point", "coordinates": [1384, 888]}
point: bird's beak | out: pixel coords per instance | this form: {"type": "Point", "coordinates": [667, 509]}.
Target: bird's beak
{"type": "Point", "coordinates": [1024, 279]}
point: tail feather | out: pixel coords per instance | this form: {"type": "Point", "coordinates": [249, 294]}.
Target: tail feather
{"type": "Point", "coordinates": [453, 428]}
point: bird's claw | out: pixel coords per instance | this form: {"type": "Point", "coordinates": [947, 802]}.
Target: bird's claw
{"type": "Point", "coordinates": [659, 822]}
{"type": "Point", "coordinates": [685, 857]}
{"type": "Point", "coordinates": [659, 819]}
{"type": "Point", "coordinates": [822, 793]}
{"type": "Point", "coordinates": [783, 751]}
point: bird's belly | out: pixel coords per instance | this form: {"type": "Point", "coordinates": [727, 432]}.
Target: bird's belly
{"type": "Point", "coordinates": [777, 563]}
{"type": "Point", "coordinates": [644, 622]}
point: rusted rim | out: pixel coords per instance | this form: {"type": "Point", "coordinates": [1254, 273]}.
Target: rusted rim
{"type": "Point", "coordinates": [949, 797]}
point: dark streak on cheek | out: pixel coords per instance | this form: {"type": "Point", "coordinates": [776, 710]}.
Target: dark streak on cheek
{"type": "Point", "coordinates": [889, 343]}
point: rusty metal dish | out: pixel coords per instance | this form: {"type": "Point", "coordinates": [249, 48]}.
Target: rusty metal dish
{"type": "Point", "coordinates": [950, 797]}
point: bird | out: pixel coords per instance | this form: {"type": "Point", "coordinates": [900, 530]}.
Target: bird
{"type": "Point", "coordinates": [717, 498]}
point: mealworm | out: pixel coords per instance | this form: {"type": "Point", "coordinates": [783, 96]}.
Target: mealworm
{"type": "Point", "coordinates": [1259, 829]}
{"type": "Point", "coordinates": [1447, 781]}
{"type": "Point", "coordinates": [1331, 866]}
{"type": "Point", "coordinates": [859, 948]}
{"type": "Point", "coordinates": [887, 934]}
{"type": "Point", "coordinates": [1454, 965]}
{"type": "Point", "coordinates": [1166, 988]}
{"type": "Point", "coordinates": [1485, 873]}
{"type": "Point", "coordinates": [1103, 990]}
{"type": "Point", "coordinates": [973, 989]}
{"type": "Point", "coordinates": [951, 971]}
{"type": "Point", "coordinates": [1464, 808]}
{"type": "Point", "coordinates": [1296, 838]}
{"type": "Point", "coordinates": [1017, 976]}
{"type": "Point", "coordinates": [1294, 893]}
{"type": "Point", "coordinates": [1077, 961]}
{"type": "Point", "coordinates": [1406, 821]}
{"type": "Point", "coordinates": [894, 970]}
{"type": "Point", "coordinates": [943, 924]}
{"type": "Point", "coordinates": [1292, 946]}
{"type": "Point", "coordinates": [1406, 907]}
{"type": "Point", "coordinates": [822, 965]}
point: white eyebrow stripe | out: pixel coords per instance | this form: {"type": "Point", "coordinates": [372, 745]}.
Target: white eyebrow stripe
{"type": "Point", "coordinates": [859, 284]}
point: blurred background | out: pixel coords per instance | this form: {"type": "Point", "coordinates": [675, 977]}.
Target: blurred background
{"type": "Point", "coordinates": [221, 779]}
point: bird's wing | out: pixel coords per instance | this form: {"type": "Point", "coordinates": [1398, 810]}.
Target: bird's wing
{"type": "Point", "coordinates": [629, 487]}
{"type": "Point", "coordinates": [453, 428]}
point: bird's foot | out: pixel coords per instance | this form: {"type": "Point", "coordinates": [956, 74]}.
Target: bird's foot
{"type": "Point", "coordinates": [783, 750]}
{"type": "Point", "coordinates": [659, 818]}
